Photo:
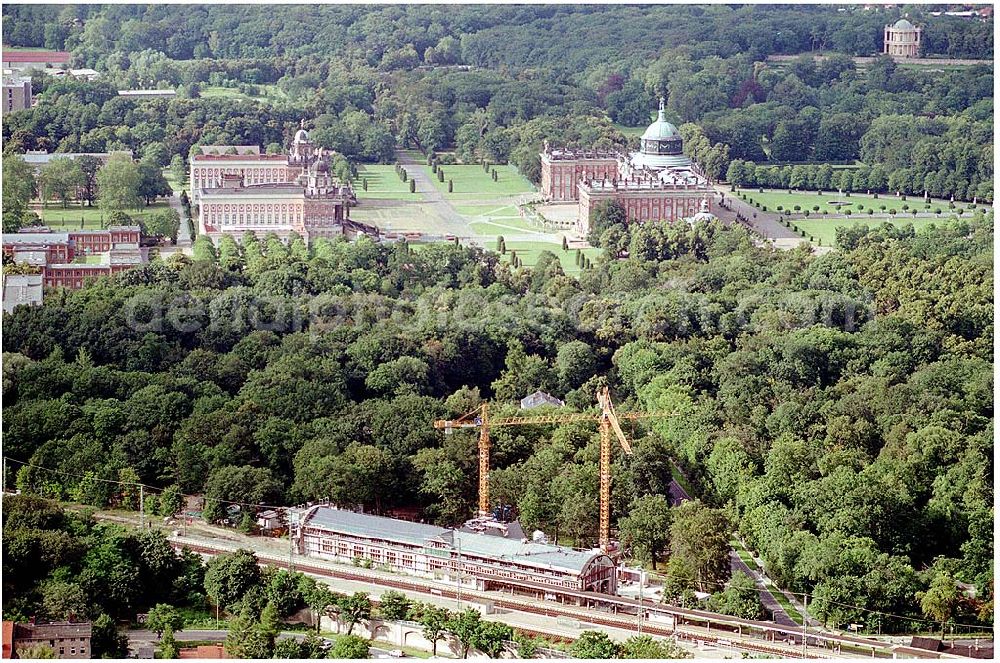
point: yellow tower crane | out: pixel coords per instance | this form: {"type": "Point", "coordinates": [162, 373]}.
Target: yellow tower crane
{"type": "Point", "coordinates": [607, 420]}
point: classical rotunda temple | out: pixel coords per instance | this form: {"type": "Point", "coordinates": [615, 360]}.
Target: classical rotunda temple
{"type": "Point", "coordinates": [902, 39]}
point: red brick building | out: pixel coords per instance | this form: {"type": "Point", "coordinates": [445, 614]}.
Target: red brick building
{"type": "Point", "coordinates": [67, 639]}
{"type": "Point", "coordinates": [657, 183]}
{"type": "Point", "coordinates": [563, 169]}
{"type": "Point", "coordinates": [71, 259]}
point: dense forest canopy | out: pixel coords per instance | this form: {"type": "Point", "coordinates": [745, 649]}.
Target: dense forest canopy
{"type": "Point", "coordinates": [838, 407]}
{"type": "Point", "coordinates": [836, 410]}
{"type": "Point", "coordinates": [493, 82]}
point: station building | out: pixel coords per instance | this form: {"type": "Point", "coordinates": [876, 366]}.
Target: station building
{"type": "Point", "coordinates": [489, 559]}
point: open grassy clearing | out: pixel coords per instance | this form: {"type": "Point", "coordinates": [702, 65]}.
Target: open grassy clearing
{"type": "Point", "coordinates": [498, 209]}
{"type": "Point", "coordinates": [267, 92]}
{"type": "Point", "coordinates": [383, 182]}
{"type": "Point", "coordinates": [472, 182]}
{"type": "Point", "coordinates": [490, 229]}
{"type": "Point", "coordinates": [76, 218]}
{"type": "Point", "coordinates": [825, 230]}
{"type": "Point", "coordinates": [807, 200]}
{"type": "Point", "coordinates": [529, 252]}
{"type": "Point", "coordinates": [404, 217]}
{"type": "Point", "coordinates": [175, 185]}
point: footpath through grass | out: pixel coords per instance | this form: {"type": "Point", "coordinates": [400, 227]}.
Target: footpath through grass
{"type": "Point", "coordinates": [778, 595]}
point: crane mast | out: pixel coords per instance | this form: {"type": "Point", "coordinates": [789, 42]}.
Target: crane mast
{"type": "Point", "coordinates": [608, 424]}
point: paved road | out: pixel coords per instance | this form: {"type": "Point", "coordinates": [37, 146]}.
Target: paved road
{"type": "Point", "coordinates": [771, 605]}
{"type": "Point", "coordinates": [454, 223]}
{"type": "Point", "coordinates": [183, 235]}
{"type": "Point", "coordinates": [765, 223]}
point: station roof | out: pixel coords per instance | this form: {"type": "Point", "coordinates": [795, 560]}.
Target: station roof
{"type": "Point", "coordinates": [516, 551]}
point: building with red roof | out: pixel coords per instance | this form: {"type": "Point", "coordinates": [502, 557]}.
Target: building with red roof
{"type": "Point", "coordinates": [34, 59]}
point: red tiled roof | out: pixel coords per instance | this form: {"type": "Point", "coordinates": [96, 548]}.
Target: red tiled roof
{"type": "Point", "coordinates": [240, 157]}
{"type": "Point", "coordinates": [36, 56]}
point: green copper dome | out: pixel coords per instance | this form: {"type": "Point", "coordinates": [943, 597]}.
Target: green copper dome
{"type": "Point", "coordinates": [903, 24]}
{"type": "Point", "coordinates": [661, 129]}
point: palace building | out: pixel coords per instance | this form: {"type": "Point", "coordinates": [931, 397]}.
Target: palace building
{"type": "Point", "coordinates": [656, 183]}
{"type": "Point", "coordinates": [902, 39]}
{"type": "Point", "coordinates": [246, 191]}
{"type": "Point", "coordinates": [498, 559]}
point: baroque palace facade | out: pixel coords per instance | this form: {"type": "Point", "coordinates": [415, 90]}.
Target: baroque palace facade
{"type": "Point", "coordinates": [269, 193]}
{"type": "Point", "coordinates": [657, 183]}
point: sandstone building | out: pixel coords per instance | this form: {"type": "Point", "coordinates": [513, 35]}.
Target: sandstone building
{"type": "Point", "coordinates": [902, 39]}
{"type": "Point", "coordinates": [269, 193]}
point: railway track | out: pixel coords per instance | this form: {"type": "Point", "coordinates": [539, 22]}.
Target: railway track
{"type": "Point", "coordinates": [688, 633]}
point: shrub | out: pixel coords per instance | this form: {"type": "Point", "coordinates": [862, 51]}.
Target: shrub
{"type": "Point", "coordinates": [815, 208]}
{"type": "Point", "coordinates": [870, 211]}
{"type": "Point", "coordinates": [937, 210]}
{"type": "Point", "coordinates": [906, 207]}
{"type": "Point", "coordinates": [892, 211]}
{"type": "Point", "coordinates": [797, 208]}
{"type": "Point", "coordinates": [779, 207]}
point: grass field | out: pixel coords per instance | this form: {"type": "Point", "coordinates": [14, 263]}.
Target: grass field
{"type": "Point", "coordinates": [529, 252]}
{"type": "Point", "coordinates": [267, 92]}
{"type": "Point", "coordinates": [808, 200]}
{"type": "Point", "coordinates": [473, 183]}
{"type": "Point", "coordinates": [74, 218]}
{"type": "Point", "coordinates": [383, 182]}
{"type": "Point", "coordinates": [825, 230]}
{"type": "Point", "coordinates": [630, 131]}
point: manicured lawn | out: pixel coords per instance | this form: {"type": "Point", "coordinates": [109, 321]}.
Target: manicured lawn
{"type": "Point", "coordinates": [74, 217]}
{"type": "Point", "coordinates": [630, 131]}
{"type": "Point", "coordinates": [529, 252]}
{"type": "Point", "coordinates": [383, 182]}
{"type": "Point", "coordinates": [267, 92]}
{"type": "Point", "coordinates": [825, 230]}
{"type": "Point", "coordinates": [810, 199]}
{"type": "Point", "coordinates": [472, 182]}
